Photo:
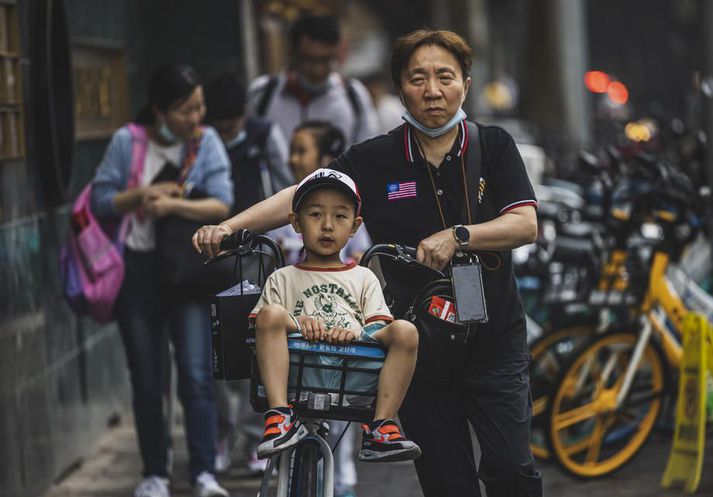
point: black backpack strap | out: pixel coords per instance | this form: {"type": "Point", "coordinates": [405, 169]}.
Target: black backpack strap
{"type": "Point", "coordinates": [356, 107]}
{"type": "Point", "coordinates": [473, 167]}
{"type": "Point", "coordinates": [258, 129]}
{"type": "Point", "coordinates": [266, 96]}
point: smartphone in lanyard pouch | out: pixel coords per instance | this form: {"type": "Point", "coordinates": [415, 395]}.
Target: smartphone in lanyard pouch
{"type": "Point", "coordinates": [468, 292]}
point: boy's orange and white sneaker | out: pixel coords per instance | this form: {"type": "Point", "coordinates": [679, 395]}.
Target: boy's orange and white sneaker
{"type": "Point", "coordinates": [382, 441]}
{"type": "Point", "coordinates": [282, 430]}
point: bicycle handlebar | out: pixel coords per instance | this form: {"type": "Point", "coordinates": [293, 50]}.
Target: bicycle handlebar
{"type": "Point", "coordinates": [242, 243]}
{"type": "Point", "coordinates": [236, 240]}
{"type": "Point", "coordinates": [400, 253]}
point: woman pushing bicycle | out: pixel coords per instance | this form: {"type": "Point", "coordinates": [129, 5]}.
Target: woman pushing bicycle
{"type": "Point", "coordinates": [417, 190]}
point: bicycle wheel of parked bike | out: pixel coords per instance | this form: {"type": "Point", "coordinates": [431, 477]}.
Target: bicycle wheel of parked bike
{"type": "Point", "coordinates": [587, 434]}
{"type": "Point", "coordinates": [306, 477]}
{"type": "Point", "coordinates": [550, 353]}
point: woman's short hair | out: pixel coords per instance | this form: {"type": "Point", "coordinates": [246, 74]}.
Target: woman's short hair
{"type": "Point", "coordinates": [169, 87]}
{"type": "Point", "coordinates": [329, 139]}
{"type": "Point", "coordinates": [407, 45]}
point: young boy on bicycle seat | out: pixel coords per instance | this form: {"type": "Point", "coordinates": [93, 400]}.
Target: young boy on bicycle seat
{"type": "Point", "coordinates": [326, 209]}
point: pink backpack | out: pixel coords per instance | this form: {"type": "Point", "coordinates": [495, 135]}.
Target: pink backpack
{"type": "Point", "coordinates": [91, 261]}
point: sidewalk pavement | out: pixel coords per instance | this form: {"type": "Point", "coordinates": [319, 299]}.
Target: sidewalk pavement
{"type": "Point", "coordinates": [113, 469]}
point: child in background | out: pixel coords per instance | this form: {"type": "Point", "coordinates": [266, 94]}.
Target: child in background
{"type": "Point", "coordinates": [325, 211]}
{"type": "Point", "coordinates": [315, 144]}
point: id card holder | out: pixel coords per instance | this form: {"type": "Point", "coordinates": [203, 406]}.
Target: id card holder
{"type": "Point", "coordinates": [468, 292]}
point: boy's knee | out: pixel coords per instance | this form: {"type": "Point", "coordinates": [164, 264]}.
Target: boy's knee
{"type": "Point", "coordinates": [270, 316]}
{"type": "Point", "coordinates": [404, 334]}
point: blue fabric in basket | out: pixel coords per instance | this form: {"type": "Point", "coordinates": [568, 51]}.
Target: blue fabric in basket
{"type": "Point", "coordinates": [329, 378]}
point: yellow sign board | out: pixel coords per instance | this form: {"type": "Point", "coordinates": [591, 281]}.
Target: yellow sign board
{"type": "Point", "coordinates": [685, 461]}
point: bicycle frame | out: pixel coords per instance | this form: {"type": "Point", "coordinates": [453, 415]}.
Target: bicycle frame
{"type": "Point", "coordinates": [661, 295]}
{"type": "Point", "coordinates": [664, 295]}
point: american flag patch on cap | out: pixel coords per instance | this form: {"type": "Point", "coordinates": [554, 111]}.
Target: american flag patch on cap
{"type": "Point", "coordinates": [397, 191]}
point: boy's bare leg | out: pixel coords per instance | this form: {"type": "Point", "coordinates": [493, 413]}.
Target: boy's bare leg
{"type": "Point", "coordinates": [272, 325]}
{"type": "Point", "coordinates": [401, 339]}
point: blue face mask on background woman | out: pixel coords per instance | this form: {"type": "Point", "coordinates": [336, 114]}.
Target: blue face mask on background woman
{"type": "Point", "coordinates": [434, 132]}
{"type": "Point", "coordinates": [166, 134]}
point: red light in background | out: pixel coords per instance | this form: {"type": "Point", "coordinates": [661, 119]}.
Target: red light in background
{"type": "Point", "coordinates": [596, 81]}
{"type": "Point", "coordinates": [617, 92]}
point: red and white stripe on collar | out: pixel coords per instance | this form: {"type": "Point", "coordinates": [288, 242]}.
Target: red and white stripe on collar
{"type": "Point", "coordinates": [410, 146]}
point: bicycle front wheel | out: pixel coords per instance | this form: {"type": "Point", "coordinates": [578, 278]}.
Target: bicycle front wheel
{"type": "Point", "coordinates": [306, 477]}
{"type": "Point", "coordinates": [587, 433]}
{"type": "Point", "coordinates": [550, 353]}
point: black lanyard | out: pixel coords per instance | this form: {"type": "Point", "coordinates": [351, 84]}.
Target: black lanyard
{"type": "Point", "coordinates": [433, 183]}
{"type": "Point", "coordinates": [472, 173]}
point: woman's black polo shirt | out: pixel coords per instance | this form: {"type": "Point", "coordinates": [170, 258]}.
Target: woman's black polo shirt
{"type": "Point", "coordinates": [399, 206]}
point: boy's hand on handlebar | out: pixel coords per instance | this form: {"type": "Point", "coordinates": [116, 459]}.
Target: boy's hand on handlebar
{"type": "Point", "coordinates": [341, 336]}
{"type": "Point", "coordinates": [206, 240]}
{"type": "Point", "coordinates": [312, 330]}
{"type": "Point", "coordinates": [437, 250]}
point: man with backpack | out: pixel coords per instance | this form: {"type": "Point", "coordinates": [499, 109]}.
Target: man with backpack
{"type": "Point", "coordinates": [258, 158]}
{"type": "Point", "coordinates": [257, 147]}
{"type": "Point", "coordinates": [310, 88]}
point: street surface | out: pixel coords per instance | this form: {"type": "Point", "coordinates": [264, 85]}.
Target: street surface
{"type": "Point", "coordinates": [114, 466]}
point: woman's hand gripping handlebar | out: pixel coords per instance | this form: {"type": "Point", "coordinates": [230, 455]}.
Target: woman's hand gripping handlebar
{"type": "Point", "coordinates": [207, 239]}
{"type": "Point", "coordinates": [242, 243]}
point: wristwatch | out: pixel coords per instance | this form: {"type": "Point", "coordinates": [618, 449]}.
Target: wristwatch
{"type": "Point", "coordinates": [462, 236]}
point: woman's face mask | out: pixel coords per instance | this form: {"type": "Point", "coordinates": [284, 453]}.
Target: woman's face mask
{"type": "Point", "coordinates": [434, 132]}
{"type": "Point", "coordinates": [433, 90]}
{"type": "Point", "coordinates": [166, 134]}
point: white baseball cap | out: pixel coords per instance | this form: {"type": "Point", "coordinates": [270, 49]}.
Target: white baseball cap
{"type": "Point", "coordinates": [326, 177]}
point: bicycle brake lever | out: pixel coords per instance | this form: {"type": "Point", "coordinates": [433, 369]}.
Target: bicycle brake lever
{"type": "Point", "coordinates": [246, 248]}
{"type": "Point", "coordinates": [220, 257]}
{"type": "Point", "coordinates": [242, 242]}
{"type": "Point", "coordinates": [409, 260]}
{"type": "Point", "coordinates": [407, 254]}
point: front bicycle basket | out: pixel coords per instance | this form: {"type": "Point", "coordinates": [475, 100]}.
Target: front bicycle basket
{"type": "Point", "coordinates": [328, 381]}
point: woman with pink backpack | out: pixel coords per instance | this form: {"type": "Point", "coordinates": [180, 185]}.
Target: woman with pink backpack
{"type": "Point", "coordinates": [166, 166]}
